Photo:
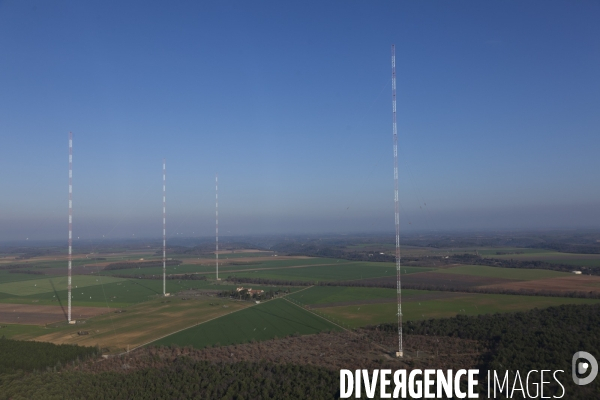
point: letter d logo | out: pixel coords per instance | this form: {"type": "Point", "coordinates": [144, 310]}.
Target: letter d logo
{"type": "Point", "coordinates": [582, 368]}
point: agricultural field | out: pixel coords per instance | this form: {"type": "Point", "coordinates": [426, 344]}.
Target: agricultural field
{"type": "Point", "coordinates": [318, 295]}
{"type": "Point", "coordinates": [438, 279]}
{"type": "Point", "coordinates": [137, 324]}
{"type": "Point", "coordinates": [227, 254]}
{"type": "Point", "coordinates": [11, 331]}
{"type": "Point", "coordinates": [566, 284]}
{"type": "Point", "coordinates": [7, 277]}
{"type": "Point", "coordinates": [274, 318]}
{"type": "Point", "coordinates": [301, 269]}
{"type": "Point", "coordinates": [521, 274]}
{"type": "Point", "coordinates": [495, 278]}
{"type": "Point", "coordinates": [190, 266]}
{"type": "Point", "coordinates": [586, 260]}
{"type": "Point", "coordinates": [119, 293]}
{"type": "Point", "coordinates": [33, 306]}
{"type": "Point", "coordinates": [342, 271]}
{"type": "Point", "coordinates": [170, 269]}
{"type": "Point", "coordinates": [442, 305]}
{"type": "Point", "coordinates": [47, 285]}
{"type": "Point", "coordinates": [502, 252]}
{"type": "Point", "coordinates": [60, 261]}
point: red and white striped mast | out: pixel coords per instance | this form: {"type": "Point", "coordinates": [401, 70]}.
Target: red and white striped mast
{"type": "Point", "coordinates": [70, 257]}
{"type": "Point", "coordinates": [217, 221]}
{"type": "Point", "coordinates": [400, 352]}
{"type": "Point", "coordinates": [164, 228]}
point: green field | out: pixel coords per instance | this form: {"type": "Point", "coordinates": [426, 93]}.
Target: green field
{"type": "Point", "coordinates": [467, 304]}
{"type": "Point", "coordinates": [225, 256]}
{"type": "Point", "coordinates": [337, 272]}
{"type": "Point", "coordinates": [333, 294]}
{"type": "Point", "coordinates": [319, 295]}
{"type": "Point", "coordinates": [122, 293]}
{"type": "Point", "coordinates": [260, 322]}
{"type": "Point", "coordinates": [7, 277]}
{"type": "Point", "coordinates": [180, 269]}
{"type": "Point", "coordinates": [28, 331]}
{"type": "Point", "coordinates": [116, 294]}
{"type": "Point", "coordinates": [79, 261]}
{"type": "Point", "coordinates": [520, 274]}
{"type": "Point", "coordinates": [195, 268]}
{"type": "Point", "coordinates": [49, 284]}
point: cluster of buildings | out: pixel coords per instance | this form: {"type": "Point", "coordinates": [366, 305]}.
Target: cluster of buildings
{"type": "Point", "coordinates": [250, 291]}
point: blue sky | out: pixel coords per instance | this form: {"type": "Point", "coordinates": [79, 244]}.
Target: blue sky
{"type": "Point", "coordinates": [290, 102]}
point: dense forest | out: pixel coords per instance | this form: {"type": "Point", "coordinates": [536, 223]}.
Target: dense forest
{"type": "Point", "coordinates": [29, 356]}
{"type": "Point", "coordinates": [184, 379]}
{"type": "Point", "coordinates": [535, 339]}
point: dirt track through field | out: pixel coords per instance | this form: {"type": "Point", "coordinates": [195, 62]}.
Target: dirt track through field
{"type": "Point", "coordinates": [39, 315]}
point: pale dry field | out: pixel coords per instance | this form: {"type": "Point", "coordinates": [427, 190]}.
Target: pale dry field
{"type": "Point", "coordinates": [142, 323]}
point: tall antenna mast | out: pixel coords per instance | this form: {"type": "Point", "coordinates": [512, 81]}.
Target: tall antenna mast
{"type": "Point", "coordinates": [164, 228]}
{"type": "Point", "coordinates": [217, 221]}
{"type": "Point", "coordinates": [399, 353]}
{"type": "Point", "coordinates": [70, 257]}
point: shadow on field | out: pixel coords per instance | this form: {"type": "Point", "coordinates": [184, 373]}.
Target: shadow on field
{"type": "Point", "coordinates": [58, 298]}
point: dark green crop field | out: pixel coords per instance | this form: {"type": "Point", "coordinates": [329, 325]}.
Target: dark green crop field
{"type": "Point", "coordinates": [260, 322]}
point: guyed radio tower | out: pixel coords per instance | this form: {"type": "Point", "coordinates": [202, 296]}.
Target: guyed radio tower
{"type": "Point", "coordinates": [217, 221]}
{"type": "Point", "coordinates": [164, 228]}
{"type": "Point", "coordinates": [70, 256]}
{"type": "Point", "coordinates": [399, 353]}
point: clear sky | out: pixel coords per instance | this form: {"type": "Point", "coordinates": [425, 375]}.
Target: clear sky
{"type": "Point", "coordinates": [290, 102]}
